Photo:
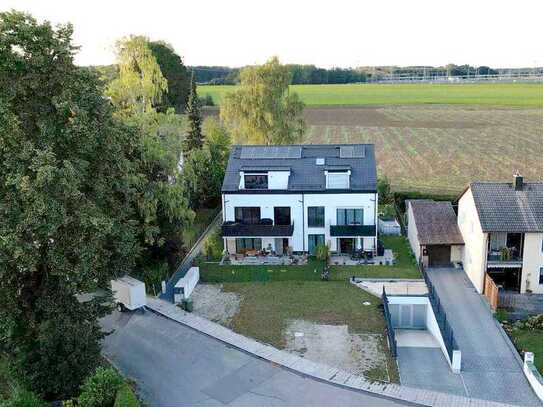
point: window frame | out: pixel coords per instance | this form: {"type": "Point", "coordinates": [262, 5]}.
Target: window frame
{"type": "Point", "coordinates": [275, 208]}
{"type": "Point", "coordinates": [335, 176]}
{"type": "Point", "coordinates": [317, 216]}
{"type": "Point", "coordinates": [314, 237]}
{"type": "Point", "coordinates": [246, 247]}
{"type": "Point", "coordinates": [343, 220]}
{"type": "Point", "coordinates": [243, 218]}
{"type": "Point", "coordinates": [262, 185]}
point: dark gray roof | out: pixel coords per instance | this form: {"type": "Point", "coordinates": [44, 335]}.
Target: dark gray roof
{"type": "Point", "coordinates": [305, 174]}
{"type": "Point", "coordinates": [436, 222]}
{"type": "Point", "coordinates": [503, 209]}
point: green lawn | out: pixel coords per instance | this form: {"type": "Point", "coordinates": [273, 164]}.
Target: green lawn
{"type": "Point", "coordinates": [487, 94]}
{"type": "Point", "coordinates": [266, 307]}
{"type": "Point", "coordinates": [530, 341]}
{"type": "Point", "coordinates": [272, 295]}
{"type": "Point", "coordinates": [405, 268]}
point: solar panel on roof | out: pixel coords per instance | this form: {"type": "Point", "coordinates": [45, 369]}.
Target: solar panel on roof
{"type": "Point", "coordinates": [352, 152]}
{"type": "Point", "coordinates": [271, 152]}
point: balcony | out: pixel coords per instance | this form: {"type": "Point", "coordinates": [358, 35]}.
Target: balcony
{"type": "Point", "coordinates": [505, 250]}
{"type": "Point", "coordinates": [505, 258]}
{"type": "Point", "coordinates": [352, 230]}
{"type": "Point", "coordinates": [236, 229]}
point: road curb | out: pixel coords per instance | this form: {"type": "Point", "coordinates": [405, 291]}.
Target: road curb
{"type": "Point", "coordinates": [311, 369]}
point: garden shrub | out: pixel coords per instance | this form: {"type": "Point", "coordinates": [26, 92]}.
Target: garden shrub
{"type": "Point", "coordinates": [24, 398]}
{"type": "Point", "coordinates": [126, 397]}
{"type": "Point", "coordinates": [532, 323]}
{"type": "Point", "coordinates": [100, 389]}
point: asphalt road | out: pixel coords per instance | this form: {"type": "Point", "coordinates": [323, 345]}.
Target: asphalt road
{"type": "Point", "coordinates": [177, 366]}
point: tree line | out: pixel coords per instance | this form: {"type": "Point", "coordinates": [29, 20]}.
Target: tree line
{"type": "Point", "coordinates": [312, 75]}
{"type": "Point", "coordinates": [102, 172]}
{"type": "Point", "coordinates": [300, 75]}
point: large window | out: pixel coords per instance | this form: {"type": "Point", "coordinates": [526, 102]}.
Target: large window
{"type": "Point", "coordinates": [242, 245]}
{"type": "Point", "coordinates": [256, 181]}
{"type": "Point", "coordinates": [350, 216]}
{"type": "Point", "coordinates": [337, 180]}
{"type": "Point", "coordinates": [313, 241]}
{"type": "Point", "coordinates": [248, 215]}
{"type": "Point", "coordinates": [281, 215]}
{"type": "Point", "coordinates": [315, 216]}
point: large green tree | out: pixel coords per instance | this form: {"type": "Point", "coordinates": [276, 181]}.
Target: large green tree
{"type": "Point", "coordinates": [177, 75]}
{"type": "Point", "coordinates": [68, 193]}
{"type": "Point", "coordinates": [163, 205]}
{"type": "Point", "coordinates": [263, 110]}
{"type": "Point", "coordinates": [140, 84]}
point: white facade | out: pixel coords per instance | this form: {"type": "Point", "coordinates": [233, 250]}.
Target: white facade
{"type": "Point", "coordinates": [532, 263]}
{"type": "Point", "coordinates": [186, 285]}
{"type": "Point", "coordinates": [476, 249]}
{"type": "Point", "coordinates": [299, 204]}
{"type": "Point", "coordinates": [412, 233]}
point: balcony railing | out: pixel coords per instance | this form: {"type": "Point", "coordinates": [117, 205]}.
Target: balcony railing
{"type": "Point", "coordinates": [234, 229]}
{"type": "Point", "coordinates": [503, 258]}
{"type": "Point", "coordinates": [352, 230]}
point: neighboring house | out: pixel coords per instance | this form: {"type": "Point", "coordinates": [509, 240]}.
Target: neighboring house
{"type": "Point", "coordinates": [293, 198]}
{"type": "Point", "coordinates": [502, 226]}
{"type": "Point", "coordinates": [433, 233]}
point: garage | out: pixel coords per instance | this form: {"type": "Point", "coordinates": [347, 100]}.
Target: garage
{"type": "Point", "coordinates": [439, 255]}
{"type": "Point", "coordinates": [433, 233]}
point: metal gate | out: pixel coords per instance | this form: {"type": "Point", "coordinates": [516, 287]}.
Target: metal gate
{"type": "Point", "coordinates": [408, 316]}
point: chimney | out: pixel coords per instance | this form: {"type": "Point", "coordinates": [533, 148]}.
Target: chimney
{"type": "Point", "coordinates": [519, 181]}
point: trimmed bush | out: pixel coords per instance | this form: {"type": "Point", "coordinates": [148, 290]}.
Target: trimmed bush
{"type": "Point", "coordinates": [126, 397]}
{"type": "Point", "coordinates": [100, 389]}
{"type": "Point", "coordinates": [24, 398]}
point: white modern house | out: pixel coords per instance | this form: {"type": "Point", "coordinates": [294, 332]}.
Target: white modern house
{"type": "Point", "coordinates": [277, 199]}
{"type": "Point", "coordinates": [502, 227]}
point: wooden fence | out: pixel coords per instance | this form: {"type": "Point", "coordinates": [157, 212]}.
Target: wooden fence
{"type": "Point", "coordinates": [491, 292]}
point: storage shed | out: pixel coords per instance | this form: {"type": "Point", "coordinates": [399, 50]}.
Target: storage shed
{"type": "Point", "coordinates": [433, 233]}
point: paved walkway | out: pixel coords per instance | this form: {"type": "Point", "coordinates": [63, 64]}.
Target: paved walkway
{"type": "Point", "coordinates": [491, 367]}
{"type": "Point", "coordinates": [422, 364]}
{"type": "Point", "coordinates": [307, 368]}
{"type": "Point", "coordinates": [176, 366]}
{"type": "Point", "coordinates": [392, 286]}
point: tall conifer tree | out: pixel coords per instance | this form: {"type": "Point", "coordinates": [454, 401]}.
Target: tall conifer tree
{"type": "Point", "coordinates": [194, 139]}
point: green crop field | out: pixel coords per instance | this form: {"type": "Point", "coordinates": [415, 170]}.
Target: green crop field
{"type": "Point", "coordinates": [484, 94]}
{"type": "Point", "coordinates": [431, 138]}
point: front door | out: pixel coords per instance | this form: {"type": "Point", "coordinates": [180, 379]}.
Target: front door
{"type": "Point", "coordinates": [346, 245]}
{"type": "Point", "coordinates": [285, 245]}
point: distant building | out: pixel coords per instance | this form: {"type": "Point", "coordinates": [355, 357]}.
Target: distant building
{"type": "Point", "coordinates": [502, 226]}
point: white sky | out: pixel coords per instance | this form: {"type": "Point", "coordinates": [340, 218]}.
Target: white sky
{"type": "Point", "coordinates": [325, 33]}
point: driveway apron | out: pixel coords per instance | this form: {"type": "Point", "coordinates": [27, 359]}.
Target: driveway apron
{"type": "Point", "coordinates": [491, 368]}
